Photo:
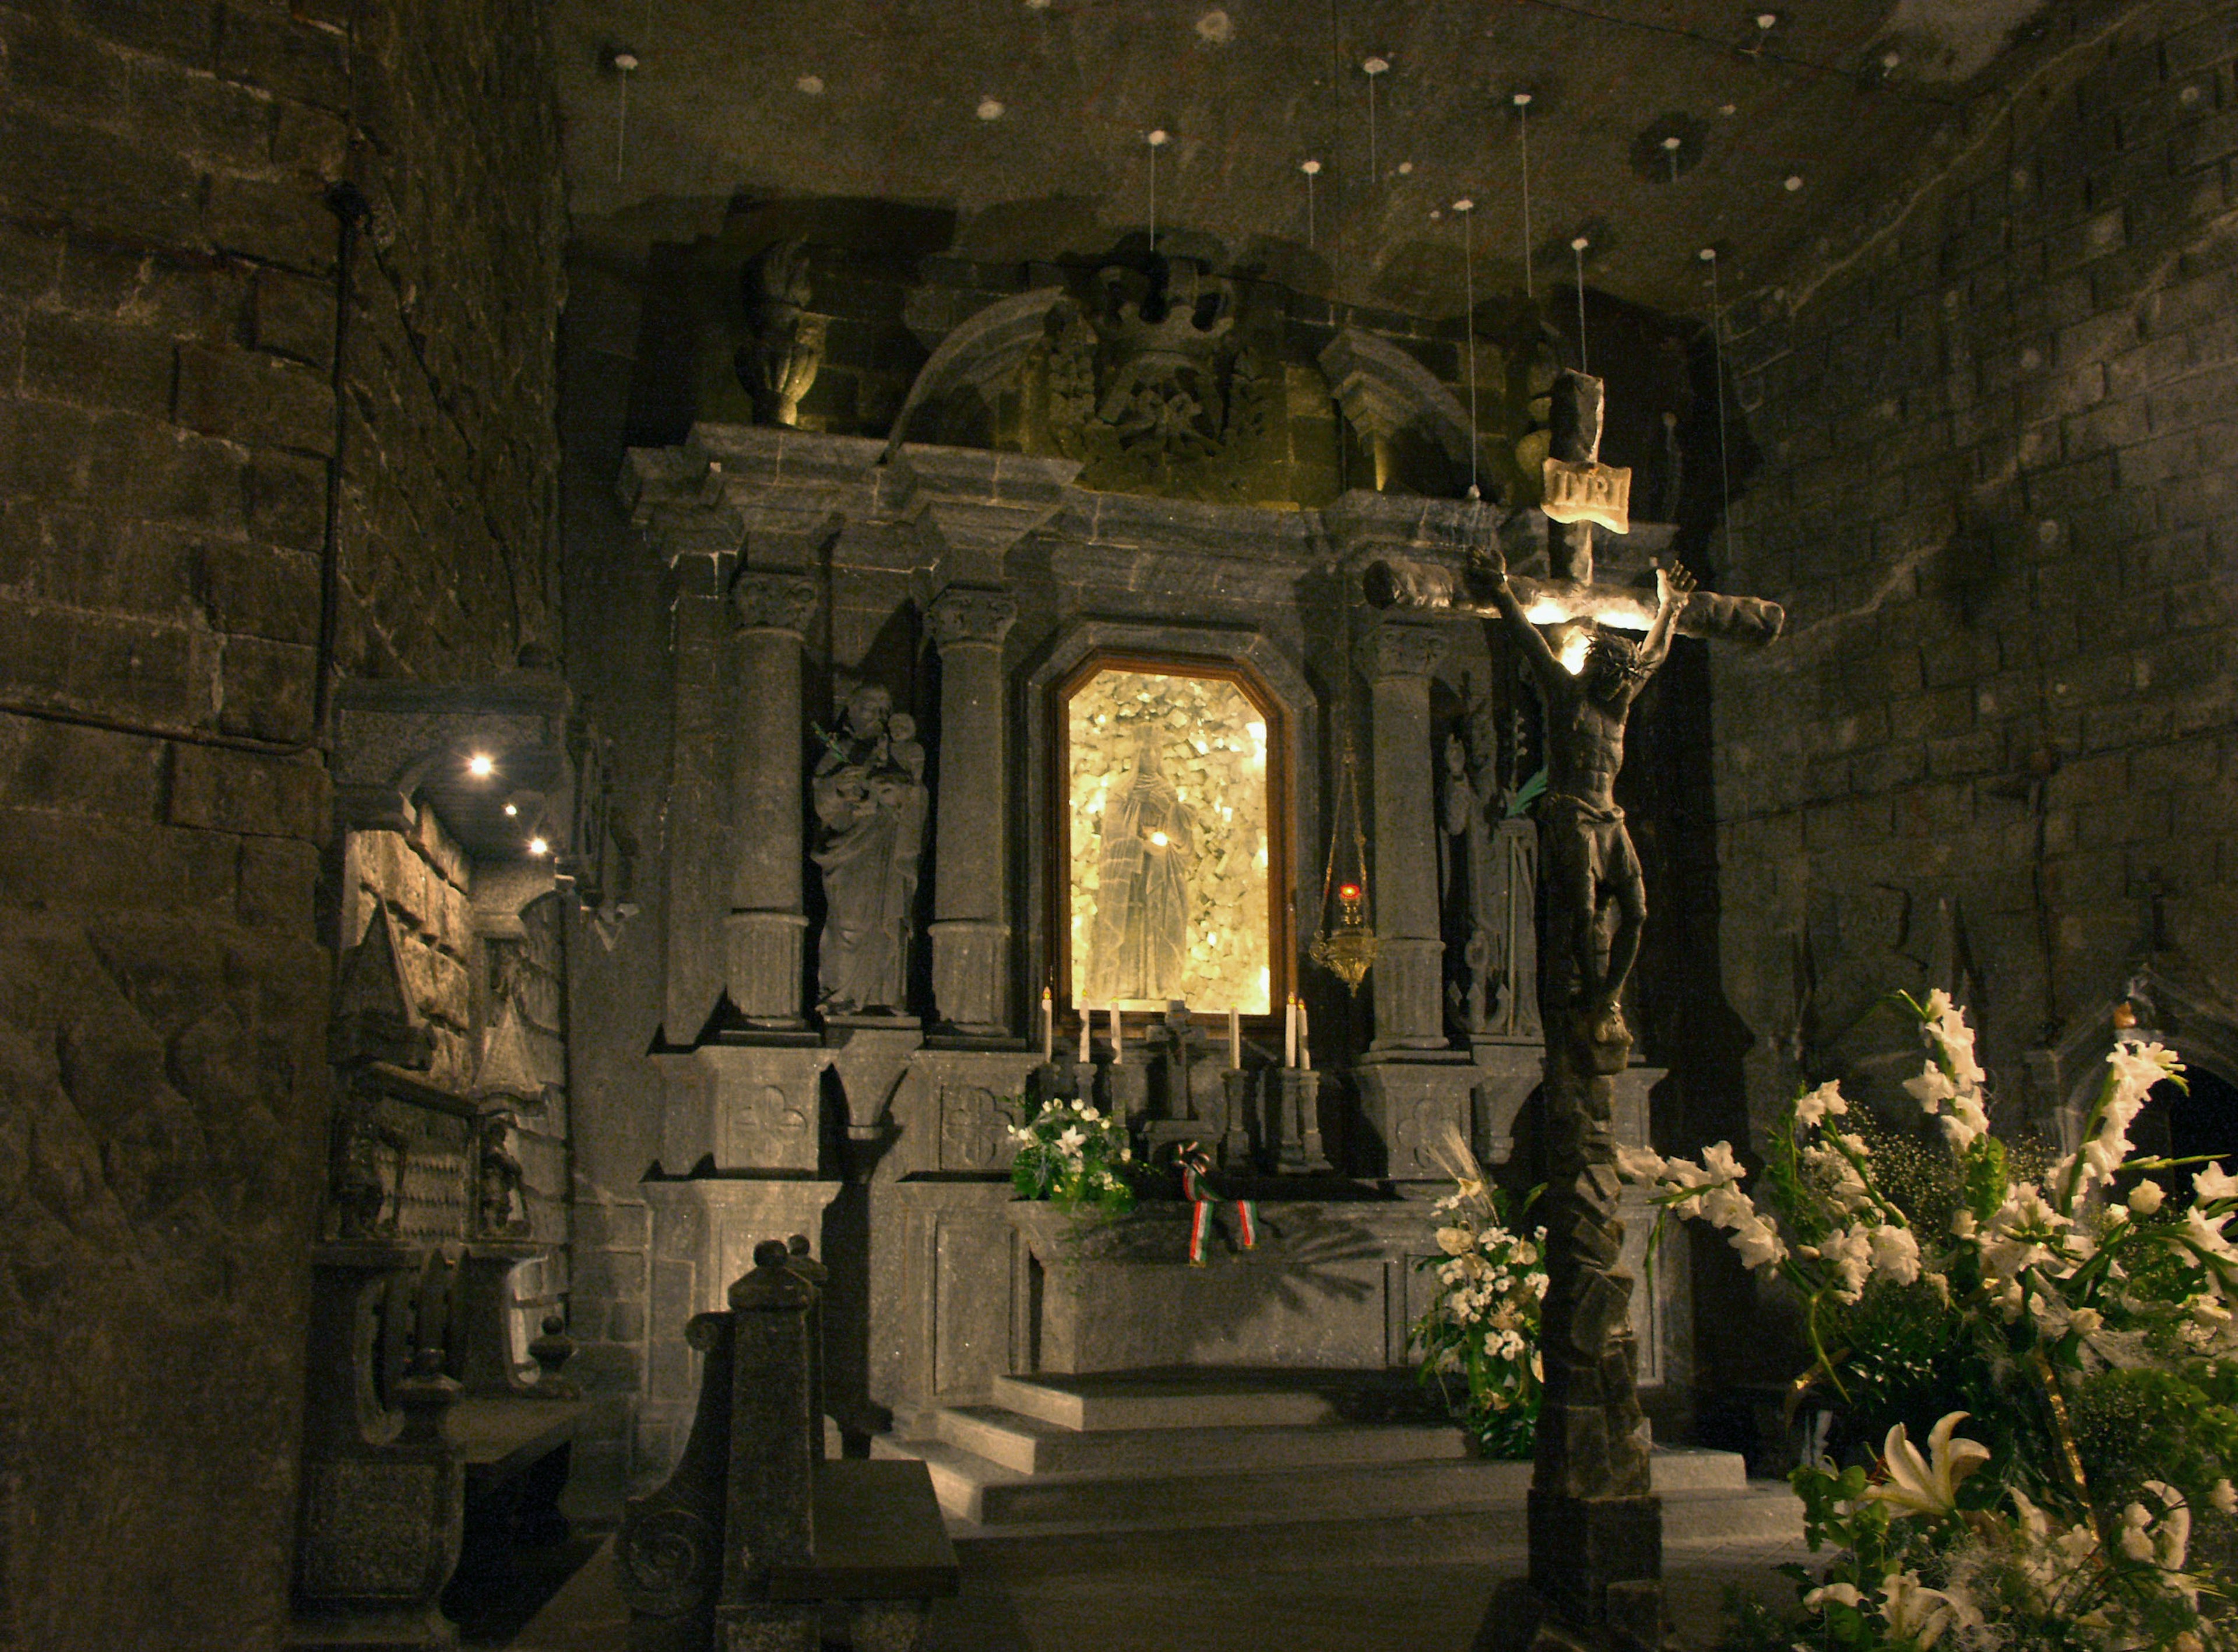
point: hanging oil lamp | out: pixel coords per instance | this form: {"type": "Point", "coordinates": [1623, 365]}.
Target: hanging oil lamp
{"type": "Point", "coordinates": [1345, 945]}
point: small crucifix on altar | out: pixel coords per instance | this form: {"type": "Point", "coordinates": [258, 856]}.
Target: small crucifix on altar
{"type": "Point", "coordinates": [1595, 1524]}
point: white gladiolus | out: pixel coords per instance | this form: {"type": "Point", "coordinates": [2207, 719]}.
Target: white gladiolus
{"type": "Point", "coordinates": [1896, 1252]}
{"type": "Point", "coordinates": [2212, 1182]}
{"type": "Point", "coordinates": [2145, 1198]}
{"type": "Point", "coordinates": [1825, 1102]}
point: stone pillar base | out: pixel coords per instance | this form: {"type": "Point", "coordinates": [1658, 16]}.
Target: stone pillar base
{"type": "Point", "coordinates": [762, 967]}
{"type": "Point", "coordinates": [1410, 988]}
{"type": "Point", "coordinates": [1596, 1582]}
{"type": "Point", "coordinates": [970, 976]}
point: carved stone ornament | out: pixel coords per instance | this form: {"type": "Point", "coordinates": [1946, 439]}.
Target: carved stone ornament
{"type": "Point", "coordinates": [964, 615]}
{"type": "Point", "coordinates": [780, 367]}
{"type": "Point", "coordinates": [1153, 392]}
{"type": "Point", "coordinates": [782, 602]}
{"type": "Point", "coordinates": [1407, 650]}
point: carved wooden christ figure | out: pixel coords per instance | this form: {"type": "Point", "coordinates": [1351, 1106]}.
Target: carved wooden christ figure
{"type": "Point", "coordinates": [870, 795]}
{"type": "Point", "coordinates": [1141, 940]}
{"type": "Point", "coordinates": [1587, 865]}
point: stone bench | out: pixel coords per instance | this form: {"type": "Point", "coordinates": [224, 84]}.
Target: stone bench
{"type": "Point", "coordinates": [756, 1534]}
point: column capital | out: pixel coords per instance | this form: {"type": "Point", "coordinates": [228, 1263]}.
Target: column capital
{"type": "Point", "coordinates": [773, 601]}
{"type": "Point", "coordinates": [962, 615]}
{"type": "Point", "coordinates": [1400, 649]}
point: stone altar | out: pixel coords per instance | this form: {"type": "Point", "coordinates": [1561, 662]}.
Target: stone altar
{"type": "Point", "coordinates": [987, 587]}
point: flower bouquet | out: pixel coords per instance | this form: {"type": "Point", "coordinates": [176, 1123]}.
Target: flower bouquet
{"type": "Point", "coordinates": [1483, 1322]}
{"type": "Point", "coordinates": [1075, 1158]}
{"type": "Point", "coordinates": [2076, 1321]}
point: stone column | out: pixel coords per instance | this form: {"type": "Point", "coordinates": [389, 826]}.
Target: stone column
{"type": "Point", "coordinates": [1410, 951]}
{"type": "Point", "coordinates": [763, 935]}
{"type": "Point", "coordinates": [971, 889]}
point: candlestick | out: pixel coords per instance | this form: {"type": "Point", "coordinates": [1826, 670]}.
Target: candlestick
{"type": "Point", "coordinates": [1290, 1031]}
{"type": "Point", "coordinates": [1049, 1027]}
{"type": "Point", "coordinates": [1305, 1050]}
{"type": "Point", "coordinates": [1087, 1016]}
{"type": "Point", "coordinates": [1118, 1046]}
{"type": "Point", "coordinates": [1235, 1038]}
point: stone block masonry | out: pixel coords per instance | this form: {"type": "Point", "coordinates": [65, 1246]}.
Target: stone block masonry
{"type": "Point", "coordinates": [175, 432]}
{"type": "Point", "coordinates": [1998, 749]}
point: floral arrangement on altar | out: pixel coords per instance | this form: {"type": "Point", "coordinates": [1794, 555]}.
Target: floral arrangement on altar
{"type": "Point", "coordinates": [1483, 1322]}
{"type": "Point", "coordinates": [1075, 1157]}
{"type": "Point", "coordinates": [2075, 1324]}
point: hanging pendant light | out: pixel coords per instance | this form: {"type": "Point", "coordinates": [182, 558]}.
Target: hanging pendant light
{"type": "Point", "coordinates": [1345, 945]}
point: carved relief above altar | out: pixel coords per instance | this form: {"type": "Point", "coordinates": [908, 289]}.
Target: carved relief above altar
{"type": "Point", "coordinates": [1156, 388]}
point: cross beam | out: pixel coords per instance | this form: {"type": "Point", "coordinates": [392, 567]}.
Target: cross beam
{"type": "Point", "coordinates": [1433, 588]}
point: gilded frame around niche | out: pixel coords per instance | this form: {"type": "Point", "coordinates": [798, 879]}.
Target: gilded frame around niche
{"type": "Point", "coordinates": [1192, 754]}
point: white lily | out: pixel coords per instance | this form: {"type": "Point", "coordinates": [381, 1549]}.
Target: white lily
{"type": "Point", "coordinates": [1916, 1611]}
{"type": "Point", "coordinates": [1927, 1485]}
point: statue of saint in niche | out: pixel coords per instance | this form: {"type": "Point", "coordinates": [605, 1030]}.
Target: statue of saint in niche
{"type": "Point", "coordinates": [1141, 940]}
{"type": "Point", "coordinates": [870, 794]}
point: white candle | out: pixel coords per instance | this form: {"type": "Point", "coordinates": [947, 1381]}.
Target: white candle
{"type": "Point", "coordinates": [1290, 1032]}
{"type": "Point", "coordinates": [1235, 1038]}
{"type": "Point", "coordinates": [1305, 1050]}
{"type": "Point", "coordinates": [1049, 1027]}
{"type": "Point", "coordinates": [1086, 1016]}
{"type": "Point", "coordinates": [1118, 1047]}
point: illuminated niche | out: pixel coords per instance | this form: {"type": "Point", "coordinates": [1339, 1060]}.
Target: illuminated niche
{"type": "Point", "coordinates": [1171, 850]}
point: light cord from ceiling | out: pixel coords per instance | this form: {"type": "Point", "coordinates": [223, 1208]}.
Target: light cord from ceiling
{"type": "Point", "coordinates": [1373, 68]}
{"type": "Point", "coordinates": [623, 64]}
{"type": "Point", "coordinates": [1157, 141]}
{"type": "Point", "coordinates": [1523, 138]}
{"type": "Point", "coordinates": [1465, 209]}
{"type": "Point", "coordinates": [1718, 367]}
{"type": "Point", "coordinates": [1578, 246]}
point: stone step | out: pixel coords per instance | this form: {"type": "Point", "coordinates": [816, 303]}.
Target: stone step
{"type": "Point", "coordinates": [1143, 1401]}
{"type": "Point", "coordinates": [1034, 1446]}
{"type": "Point", "coordinates": [979, 1494]}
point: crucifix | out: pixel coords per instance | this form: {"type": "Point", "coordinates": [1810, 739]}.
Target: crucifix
{"type": "Point", "coordinates": [1595, 1524]}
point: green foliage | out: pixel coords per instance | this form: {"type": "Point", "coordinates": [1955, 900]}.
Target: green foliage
{"type": "Point", "coordinates": [1073, 1157]}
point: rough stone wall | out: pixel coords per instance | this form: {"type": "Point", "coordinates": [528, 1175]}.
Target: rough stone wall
{"type": "Point", "coordinates": [1995, 749]}
{"type": "Point", "coordinates": [168, 307]}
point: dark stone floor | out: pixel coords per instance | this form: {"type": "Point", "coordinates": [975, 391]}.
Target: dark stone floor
{"type": "Point", "coordinates": [1209, 1591]}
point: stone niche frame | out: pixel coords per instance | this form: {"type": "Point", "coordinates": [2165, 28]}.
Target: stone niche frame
{"type": "Point", "coordinates": [1268, 677]}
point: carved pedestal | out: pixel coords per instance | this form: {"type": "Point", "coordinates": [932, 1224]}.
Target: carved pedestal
{"type": "Point", "coordinates": [1297, 1120]}
{"type": "Point", "coordinates": [1410, 1106]}
{"type": "Point", "coordinates": [384, 1493]}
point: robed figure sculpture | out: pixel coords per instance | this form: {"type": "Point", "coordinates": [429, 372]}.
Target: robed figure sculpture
{"type": "Point", "coordinates": [870, 793]}
{"type": "Point", "coordinates": [1141, 939]}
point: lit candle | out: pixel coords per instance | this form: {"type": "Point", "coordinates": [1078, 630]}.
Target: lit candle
{"type": "Point", "coordinates": [1290, 1032]}
{"type": "Point", "coordinates": [1086, 1016]}
{"type": "Point", "coordinates": [1235, 1038]}
{"type": "Point", "coordinates": [1118, 1047]}
{"type": "Point", "coordinates": [1305, 1050]}
{"type": "Point", "coordinates": [1049, 1027]}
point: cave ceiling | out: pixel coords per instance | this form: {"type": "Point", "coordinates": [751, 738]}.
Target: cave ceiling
{"type": "Point", "coordinates": [1004, 130]}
